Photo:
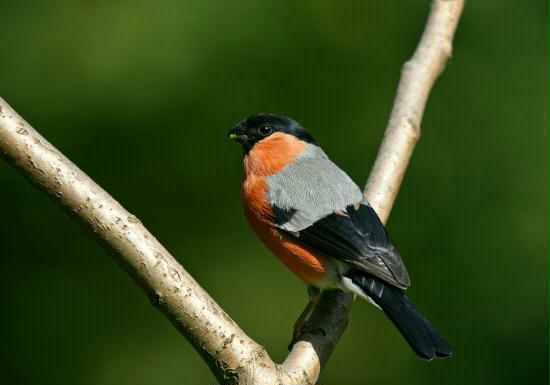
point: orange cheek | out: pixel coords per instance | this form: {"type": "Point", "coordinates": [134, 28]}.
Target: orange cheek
{"type": "Point", "coordinates": [272, 154]}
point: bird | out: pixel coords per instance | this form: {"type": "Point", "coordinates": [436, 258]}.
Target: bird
{"type": "Point", "coordinates": [315, 219]}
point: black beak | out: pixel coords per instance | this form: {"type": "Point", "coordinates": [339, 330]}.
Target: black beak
{"type": "Point", "coordinates": [238, 137]}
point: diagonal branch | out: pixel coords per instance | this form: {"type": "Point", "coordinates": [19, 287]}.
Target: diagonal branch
{"type": "Point", "coordinates": [227, 349]}
{"type": "Point", "coordinates": [233, 357]}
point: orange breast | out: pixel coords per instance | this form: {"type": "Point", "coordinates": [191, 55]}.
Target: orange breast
{"type": "Point", "coordinates": [266, 158]}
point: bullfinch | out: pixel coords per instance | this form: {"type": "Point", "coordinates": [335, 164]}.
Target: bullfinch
{"type": "Point", "coordinates": [315, 219]}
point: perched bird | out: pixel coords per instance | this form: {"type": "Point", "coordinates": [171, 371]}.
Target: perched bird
{"type": "Point", "coordinates": [315, 219]}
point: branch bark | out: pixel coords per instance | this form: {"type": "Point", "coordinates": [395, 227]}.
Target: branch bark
{"type": "Point", "coordinates": [233, 357]}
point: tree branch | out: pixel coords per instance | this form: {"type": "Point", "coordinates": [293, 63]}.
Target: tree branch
{"type": "Point", "coordinates": [227, 349]}
{"type": "Point", "coordinates": [233, 357]}
{"type": "Point", "coordinates": [417, 78]}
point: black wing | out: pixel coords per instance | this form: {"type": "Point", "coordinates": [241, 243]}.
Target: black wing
{"type": "Point", "coordinates": [358, 238]}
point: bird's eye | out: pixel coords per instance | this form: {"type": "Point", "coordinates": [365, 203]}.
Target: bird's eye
{"type": "Point", "coordinates": [265, 130]}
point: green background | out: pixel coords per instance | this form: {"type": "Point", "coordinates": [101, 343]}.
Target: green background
{"type": "Point", "coordinates": [140, 95]}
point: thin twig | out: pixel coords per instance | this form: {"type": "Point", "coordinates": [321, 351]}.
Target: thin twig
{"type": "Point", "coordinates": [233, 357]}
{"type": "Point", "coordinates": [417, 78]}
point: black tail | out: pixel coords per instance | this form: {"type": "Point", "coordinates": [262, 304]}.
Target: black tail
{"type": "Point", "coordinates": [419, 333]}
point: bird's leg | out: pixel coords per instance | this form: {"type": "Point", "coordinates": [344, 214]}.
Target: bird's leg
{"type": "Point", "coordinates": [314, 296]}
{"type": "Point", "coordinates": [299, 324]}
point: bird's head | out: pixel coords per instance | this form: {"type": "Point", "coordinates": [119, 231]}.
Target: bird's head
{"type": "Point", "coordinates": [258, 127]}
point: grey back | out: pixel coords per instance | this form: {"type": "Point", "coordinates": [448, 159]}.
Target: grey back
{"type": "Point", "coordinates": [311, 188]}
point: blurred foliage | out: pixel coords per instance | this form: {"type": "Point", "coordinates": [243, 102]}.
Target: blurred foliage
{"type": "Point", "coordinates": [140, 94]}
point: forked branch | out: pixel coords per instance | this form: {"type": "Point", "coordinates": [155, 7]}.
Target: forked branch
{"type": "Point", "coordinates": [233, 357]}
